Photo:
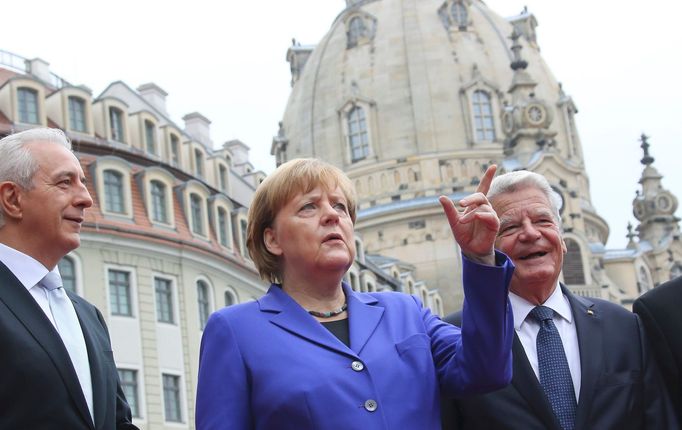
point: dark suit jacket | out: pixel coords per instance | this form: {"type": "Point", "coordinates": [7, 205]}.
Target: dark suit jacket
{"type": "Point", "coordinates": [660, 310]}
{"type": "Point", "coordinates": [620, 384]}
{"type": "Point", "coordinates": [39, 388]}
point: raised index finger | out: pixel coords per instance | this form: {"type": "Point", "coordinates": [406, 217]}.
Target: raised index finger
{"type": "Point", "coordinates": [484, 186]}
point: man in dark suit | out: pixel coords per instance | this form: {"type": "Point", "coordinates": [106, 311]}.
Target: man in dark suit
{"type": "Point", "coordinates": [57, 366]}
{"type": "Point", "coordinates": [578, 363]}
{"type": "Point", "coordinates": [659, 310]}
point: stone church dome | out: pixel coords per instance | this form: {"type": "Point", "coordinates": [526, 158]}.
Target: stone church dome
{"type": "Point", "coordinates": [415, 98]}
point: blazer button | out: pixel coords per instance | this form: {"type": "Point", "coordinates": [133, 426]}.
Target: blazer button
{"type": "Point", "coordinates": [371, 405]}
{"type": "Point", "coordinates": [357, 366]}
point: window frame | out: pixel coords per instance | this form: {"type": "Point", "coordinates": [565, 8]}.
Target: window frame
{"type": "Point", "coordinates": [23, 111]}
{"type": "Point", "coordinates": [77, 119]}
{"type": "Point", "coordinates": [114, 310]}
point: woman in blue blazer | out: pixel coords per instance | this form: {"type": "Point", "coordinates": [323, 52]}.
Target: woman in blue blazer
{"type": "Point", "coordinates": [314, 354]}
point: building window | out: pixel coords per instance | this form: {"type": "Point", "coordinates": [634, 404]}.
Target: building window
{"type": "Point", "coordinates": [175, 150]}
{"type": "Point", "coordinates": [483, 116]}
{"type": "Point", "coordinates": [459, 15]}
{"type": "Point", "coordinates": [357, 134]}
{"type": "Point", "coordinates": [243, 230]}
{"type": "Point", "coordinates": [222, 227]}
{"type": "Point", "coordinates": [116, 123]}
{"type": "Point", "coordinates": [113, 192]}
{"type": "Point", "coordinates": [164, 300]}
{"type": "Point", "coordinates": [222, 172]}
{"type": "Point", "coordinates": [171, 398]}
{"type": "Point", "coordinates": [150, 136]}
{"type": "Point", "coordinates": [198, 163]}
{"type": "Point", "coordinates": [197, 214]}
{"type": "Point", "coordinates": [574, 273]}
{"type": "Point", "coordinates": [159, 208]}
{"type": "Point", "coordinates": [119, 293]}
{"type": "Point", "coordinates": [67, 270]}
{"type": "Point", "coordinates": [356, 31]}
{"type": "Point", "coordinates": [77, 114]}
{"type": "Point", "coordinates": [230, 299]}
{"type": "Point", "coordinates": [202, 301]}
{"type": "Point", "coordinates": [28, 105]}
{"type": "Point", "coordinates": [129, 386]}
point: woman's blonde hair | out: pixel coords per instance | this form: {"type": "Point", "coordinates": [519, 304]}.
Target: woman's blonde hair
{"type": "Point", "coordinates": [298, 176]}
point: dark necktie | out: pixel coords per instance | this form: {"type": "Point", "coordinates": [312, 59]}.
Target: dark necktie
{"type": "Point", "coordinates": [555, 376]}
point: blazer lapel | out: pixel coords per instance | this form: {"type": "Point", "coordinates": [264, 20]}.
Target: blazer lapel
{"type": "Point", "coordinates": [365, 317]}
{"type": "Point", "coordinates": [291, 317]}
{"type": "Point", "coordinates": [26, 310]}
{"type": "Point", "coordinates": [527, 384]}
{"type": "Point", "coordinates": [589, 328]}
{"type": "Point", "coordinates": [97, 371]}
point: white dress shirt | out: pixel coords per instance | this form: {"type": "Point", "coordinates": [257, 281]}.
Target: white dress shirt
{"type": "Point", "coordinates": [527, 330]}
{"type": "Point", "coordinates": [29, 272]}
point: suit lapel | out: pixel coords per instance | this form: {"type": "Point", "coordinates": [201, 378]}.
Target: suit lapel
{"type": "Point", "coordinates": [32, 317]}
{"type": "Point", "coordinates": [366, 318]}
{"type": "Point", "coordinates": [97, 372]}
{"type": "Point", "coordinates": [589, 328]}
{"type": "Point", "coordinates": [527, 384]}
{"type": "Point", "coordinates": [291, 317]}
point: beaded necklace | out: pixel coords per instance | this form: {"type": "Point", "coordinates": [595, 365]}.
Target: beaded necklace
{"type": "Point", "coordinates": [329, 314]}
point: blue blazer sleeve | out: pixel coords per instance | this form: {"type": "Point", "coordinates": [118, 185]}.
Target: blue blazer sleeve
{"type": "Point", "coordinates": [222, 390]}
{"type": "Point", "coordinates": [480, 359]}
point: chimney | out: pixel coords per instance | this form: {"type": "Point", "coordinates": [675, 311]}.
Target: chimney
{"type": "Point", "coordinates": [198, 126]}
{"type": "Point", "coordinates": [154, 95]}
{"type": "Point", "coordinates": [40, 69]}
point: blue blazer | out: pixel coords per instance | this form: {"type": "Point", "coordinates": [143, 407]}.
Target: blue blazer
{"type": "Point", "coordinates": [620, 386]}
{"type": "Point", "coordinates": [268, 364]}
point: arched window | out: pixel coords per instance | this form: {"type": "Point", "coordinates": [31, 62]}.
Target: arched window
{"type": "Point", "coordinates": [357, 134]}
{"type": "Point", "coordinates": [222, 173]}
{"type": "Point", "coordinates": [150, 137]}
{"type": "Point", "coordinates": [222, 227]}
{"type": "Point", "coordinates": [174, 150]}
{"type": "Point", "coordinates": [113, 192]}
{"type": "Point", "coordinates": [159, 206]}
{"type": "Point", "coordinates": [27, 100]}
{"type": "Point", "coordinates": [483, 116]}
{"type": "Point", "coordinates": [196, 208]}
{"type": "Point", "coordinates": [116, 124]}
{"type": "Point", "coordinates": [203, 303]}
{"type": "Point", "coordinates": [77, 114]}
{"type": "Point", "coordinates": [460, 15]}
{"type": "Point", "coordinates": [67, 270]}
{"type": "Point", "coordinates": [230, 299]}
{"type": "Point", "coordinates": [356, 31]}
{"type": "Point", "coordinates": [574, 273]}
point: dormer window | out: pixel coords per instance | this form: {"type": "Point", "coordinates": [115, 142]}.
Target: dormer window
{"type": "Point", "coordinates": [360, 29]}
{"type": "Point", "coordinates": [77, 114]}
{"type": "Point", "coordinates": [150, 137]}
{"type": "Point", "coordinates": [198, 163]}
{"type": "Point", "coordinates": [196, 206]}
{"type": "Point", "coordinates": [27, 99]}
{"type": "Point", "coordinates": [159, 204]}
{"type": "Point", "coordinates": [460, 15]}
{"type": "Point", "coordinates": [357, 134]}
{"type": "Point", "coordinates": [113, 192]}
{"type": "Point", "coordinates": [116, 123]}
{"type": "Point", "coordinates": [484, 125]}
{"type": "Point", "coordinates": [174, 150]}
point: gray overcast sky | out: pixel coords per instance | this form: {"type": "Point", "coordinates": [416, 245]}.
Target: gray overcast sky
{"type": "Point", "coordinates": [618, 59]}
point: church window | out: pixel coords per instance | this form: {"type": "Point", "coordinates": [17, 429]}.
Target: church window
{"type": "Point", "coordinates": [459, 13]}
{"type": "Point", "coordinates": [483, 116]}
{"type": "Point", "coordinates": [574, 273]}
{"type": "Point", "coordinates": [357, 134]}
{"type": "Point", "coordinates": [356, 31]}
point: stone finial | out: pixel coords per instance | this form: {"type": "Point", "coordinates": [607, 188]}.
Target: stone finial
{"type": "Point", "coordinates": [518, 63]}
{"type": "Point", "coordinates": [648, 159]}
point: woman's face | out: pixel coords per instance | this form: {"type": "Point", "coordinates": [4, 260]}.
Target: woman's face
{"type": "Point", "coordinates": [313, 233]}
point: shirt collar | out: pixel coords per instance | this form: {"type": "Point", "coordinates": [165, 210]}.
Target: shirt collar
{"type": "Point", "coordinates": [556, 301]}
{"type": "Point", "coordinates": [26, 268]}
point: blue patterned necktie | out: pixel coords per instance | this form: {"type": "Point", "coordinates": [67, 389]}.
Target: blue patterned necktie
{"type": "Point", "coordinates": [555, 376]}
{"type": "Point", "coordinates": [70, 331]}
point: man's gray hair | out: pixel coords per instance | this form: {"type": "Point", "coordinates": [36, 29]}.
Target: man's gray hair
{"type": "Point", "coordinates": [16, 162]}
{"type": "Point", "coordinates": [522, 179]}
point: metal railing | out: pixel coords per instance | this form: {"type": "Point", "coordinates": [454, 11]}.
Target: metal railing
{"type": "Point", "coordinates": [20, 64]}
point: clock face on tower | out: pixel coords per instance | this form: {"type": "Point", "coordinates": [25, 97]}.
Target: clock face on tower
{"type": "Point", "coordinates": [535, 114]}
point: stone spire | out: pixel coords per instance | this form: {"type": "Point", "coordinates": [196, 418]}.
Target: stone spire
{"type": "Point", "coordinates": [654, 206]}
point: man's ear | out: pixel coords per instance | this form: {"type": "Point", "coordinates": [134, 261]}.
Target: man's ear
{"type": "Point", "coordinates": [10, 200]}
{"type": "Point", "coordinates": [271, 242]}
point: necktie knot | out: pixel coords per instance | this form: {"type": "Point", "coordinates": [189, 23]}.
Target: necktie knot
{"type": "Point", "coordinates": [542, 313]}
{"type": "Point", "coordinates": [51, 281]}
